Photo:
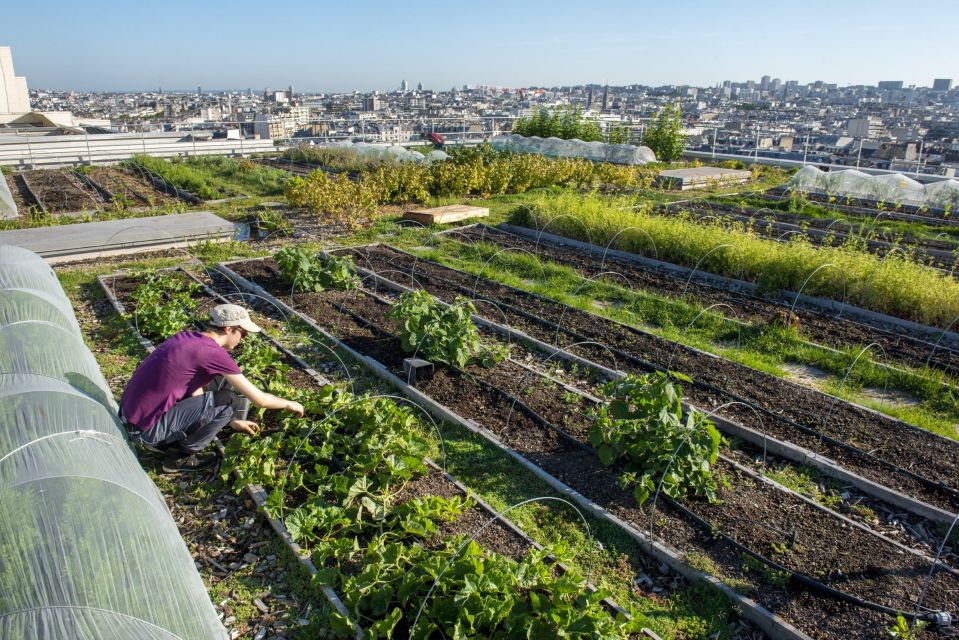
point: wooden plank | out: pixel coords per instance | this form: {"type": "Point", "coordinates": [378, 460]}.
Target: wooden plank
{"type": "Point", "coordinates": [443, 215]}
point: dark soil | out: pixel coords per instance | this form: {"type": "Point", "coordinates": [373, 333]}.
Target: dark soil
{"type": "Point", "coordinates": [814, 325]}
{"type": "Point", "coordinates": [865, 442]}
{"type": "Point", "coordinates": [137, 192]}
{"type": "Point", "coordinates": [61, 192]}
{"type": "Point", "coordinates": [867, 565]}
{"type": "Point", "coordinates": [21, 194]}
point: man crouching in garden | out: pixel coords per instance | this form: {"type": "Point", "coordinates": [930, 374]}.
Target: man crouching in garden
{"type": "Point", "coordinates": [166, 406]}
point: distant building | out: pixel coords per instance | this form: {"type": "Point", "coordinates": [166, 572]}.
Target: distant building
{"type": "Point", "coordinates": [273, 127]}
{"type": "Point", "coordinates": [404, 86]}
{"type": "Point", "coordinates": [14, 96]}
{"type": "Point", "coordinates": [942, 84]}
{"type": "Point", "coordinates": [864, 127]}
{"type": "Point", "coordinates": [371, 103]}
{"type": "Point", "coordinates": [890, 85]}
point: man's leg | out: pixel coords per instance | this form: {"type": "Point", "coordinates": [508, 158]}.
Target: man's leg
{"type": "Point", "coordinates": [187, 428]}
{"type": "Point", "coordinates": [217, 413]}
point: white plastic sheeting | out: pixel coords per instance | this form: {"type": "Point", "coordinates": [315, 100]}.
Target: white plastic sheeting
{"type": "Point", "coordinates": [89, 547]}
{"type": "Point", "coordinates": [889, 188]}
{"type": "Point", "coordinates": [559, 148]}
{"type": "Point", "coordinates": [8, 208]}
{"type": "Point", "coordinates": [396, 153]}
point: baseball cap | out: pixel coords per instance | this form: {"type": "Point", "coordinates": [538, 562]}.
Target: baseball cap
{"type": "Point", "coordinates": [232, 315]}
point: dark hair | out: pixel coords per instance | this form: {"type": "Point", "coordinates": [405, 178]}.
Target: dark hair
{"type": "Point", "coordinates": [215, 328]}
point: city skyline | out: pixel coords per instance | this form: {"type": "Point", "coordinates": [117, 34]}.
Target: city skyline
{"type": "Point", "coordinates": [338, 49]}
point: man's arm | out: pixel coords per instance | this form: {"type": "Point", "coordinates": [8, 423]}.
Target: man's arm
{"type": "Point", "coordinates": [261, 398]}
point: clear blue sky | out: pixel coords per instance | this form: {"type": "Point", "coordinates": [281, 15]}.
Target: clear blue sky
{"type": "Point", "coordinates": [342, 46]}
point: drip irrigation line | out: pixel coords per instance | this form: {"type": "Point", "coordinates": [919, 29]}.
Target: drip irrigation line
{"type": "Point", "coordinates": [929, 483]}
{"type": "Point", "coordinates": [802, 578]}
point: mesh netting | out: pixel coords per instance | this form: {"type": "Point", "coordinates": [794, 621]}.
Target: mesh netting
{"type": "Point", "coordinates": [395, 153]}
{"type": "Point", "coordinates": [559, 148]}
{"type": "Point", "coordinates": [888, 188]}
{"type": "Point", "coordinates": [8, 208]}
{"type": "Point", "coordinates": [90, 549]}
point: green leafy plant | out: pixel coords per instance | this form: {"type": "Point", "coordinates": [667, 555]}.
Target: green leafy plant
{"type": "Point", "coordinates": [307, 271]}
{"type": "Point", "coordinates": [480, 595]}
{"type": "Point", "coordinates": [643, 427]}
{"type": "Point", "coordinates": [900, 628]}
{"type": "Point", "coordinates": [259, 360]}
{"type": "Point", "coordinates": [164, 303]}
{"type": "Point", "coordinates": [665, 136]}
{"type": "Point", "coordinates": [444, 333]}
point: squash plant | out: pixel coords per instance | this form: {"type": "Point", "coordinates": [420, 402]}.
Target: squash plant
{"type": "Point", "coordinates": [643, 427]}
{"type": "Point", "coordinates": [303, 268]}
{"type": "Point", "coordinates": [481, 594]}
{"type": "Point", "coordinates": [443, 333]}
{"type": "Point", "coordinates": [164, 304]}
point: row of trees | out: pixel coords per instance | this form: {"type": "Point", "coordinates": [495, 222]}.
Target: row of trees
{"type": "Point", "coordinates": [664, 136]}
{"type": "Point", "coordinates": [568, 124]}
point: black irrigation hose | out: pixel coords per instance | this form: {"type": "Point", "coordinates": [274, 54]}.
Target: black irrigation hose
{"type": "Point", "coordinates": [812, 583]}
{"type": "Point", "coordinates": [932, 484]}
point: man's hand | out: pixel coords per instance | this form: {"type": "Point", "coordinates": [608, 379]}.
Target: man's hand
{"type": "Point", "coordinates": [294, 407]}
{"type": "Point", "coordinates": [245, 426]}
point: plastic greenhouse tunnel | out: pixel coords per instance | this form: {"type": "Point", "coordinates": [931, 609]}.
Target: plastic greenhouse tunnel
{"type": "Point", "coordinates": [89, 548]}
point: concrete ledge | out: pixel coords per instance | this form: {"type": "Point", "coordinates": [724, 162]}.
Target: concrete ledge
{"type": "Point", "coordinates": [114, 237]}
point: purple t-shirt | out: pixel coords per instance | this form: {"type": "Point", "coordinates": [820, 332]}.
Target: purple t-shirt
{"type": "Point", "coordinates": [181, 365]}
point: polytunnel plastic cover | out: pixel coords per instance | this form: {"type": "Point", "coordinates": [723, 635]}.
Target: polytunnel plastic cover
{"type": "Point", "coordinates": [890, 188]}
{"type": "Point", "coordinates": [89, 549]}
{"type": "Point", "coordinates": [8, 208]}
{"type": "Point", "coordinates": [558, 148]}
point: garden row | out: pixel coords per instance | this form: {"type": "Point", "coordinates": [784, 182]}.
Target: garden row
{"type": "Point", "coordinates": [894, 285]}
{"type": "Point", "coordinates": [866, 206]}
{"type": "Point", "coordinates": [479, 170]}
{"type": "Point", "coordinates": [549, 423]}
{"type": "Point", "coordinates": [884, 224]}
{"type": "Point", "coordinates": [915, 462]}
{"type": "Point", "coordinates": [382, 523]}
{"type": "Point", "coordinates": [49, 196]}
{"type": "Point", "coordinates": [935, 250]}
{"type": "Point", "coordinates": [812, 323]}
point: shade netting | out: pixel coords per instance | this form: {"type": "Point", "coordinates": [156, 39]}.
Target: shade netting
{"type": "Point", "coordinates": [89, 548]}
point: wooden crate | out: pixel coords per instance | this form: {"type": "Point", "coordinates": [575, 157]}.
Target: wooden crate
{"type": "Point", "coordinates": [443, 215]}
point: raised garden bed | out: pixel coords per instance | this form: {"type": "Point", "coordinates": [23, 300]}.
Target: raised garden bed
{"type": "Point", "coordinates": [361, 322]}
{"type": "Point", "coordinates": [501, 537]}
